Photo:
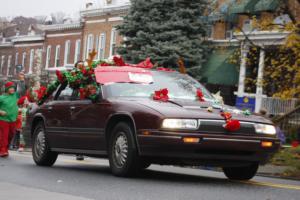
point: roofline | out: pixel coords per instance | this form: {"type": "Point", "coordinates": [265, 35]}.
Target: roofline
{"type": "Point", "coordinates": [103, 11]}
{"type": "Point", "coordinates": [61, 27]}
{"type": "Point", "coordinates": [27, 38]}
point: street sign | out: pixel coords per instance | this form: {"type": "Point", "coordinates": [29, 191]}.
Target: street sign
{"type": "Point", "coordinates": [245, 103]}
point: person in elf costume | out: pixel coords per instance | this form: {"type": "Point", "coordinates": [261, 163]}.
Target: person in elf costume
{"type": "Point", "coordinates": [23, 104]}
{"type": "Point", "coordinates": [8, 117]}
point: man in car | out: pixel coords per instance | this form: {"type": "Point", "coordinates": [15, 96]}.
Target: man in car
{"type": "Point", "coordinates": [8, 117]}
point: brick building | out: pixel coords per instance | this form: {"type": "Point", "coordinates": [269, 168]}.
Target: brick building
{"type": "Point", "coordinates": [62, 45]}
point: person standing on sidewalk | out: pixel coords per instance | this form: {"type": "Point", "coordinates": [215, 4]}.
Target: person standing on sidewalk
{"type": "Point", "coordinates": [8, 117]}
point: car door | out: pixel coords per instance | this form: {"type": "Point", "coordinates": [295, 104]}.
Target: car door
{"type": "Point", "coordinates": [87, 122]}
{"type": "Point", "coordinates": [58, 118]}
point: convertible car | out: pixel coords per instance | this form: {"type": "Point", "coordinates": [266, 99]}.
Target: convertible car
{"type": "Point", "coordinates": [131, 128]}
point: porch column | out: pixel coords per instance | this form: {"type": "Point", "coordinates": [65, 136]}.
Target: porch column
{"type": "Point", "coordinates": [244, 53]}
{"type": "Point", "coordinates": [259, 84]}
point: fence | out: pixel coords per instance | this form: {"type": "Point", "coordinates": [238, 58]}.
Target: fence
{"type": "Point", "coordinates": [290, 123]}
{"type": "Point", "coordinates": [277, 106]}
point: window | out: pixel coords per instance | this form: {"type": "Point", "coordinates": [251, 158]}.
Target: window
{"type": "Point", "coordinates": [90, 44]}
{"type": "Point", "coordinates": [48, 56]}
{"type": "Point", "coordinates": [17, 59]}
{"type": "Point", "coordinates": [113, 40]}
{"type": "Point", "coordinates": [57, 56]}
{"type": "Point", "coordinates": [31, 60]}
{"type": "Point", "coordinates": [64, 94]}
{"type": "Point", "coordinates": [67, 52]}
{"type": "Point", "coordinates": [8, 65]}
{"type": "Point", "coordinates": [77, 51]}
{"type": "Point", "coordinates": [24, 59]}
{"type": "Point", "coordinates": [2, 63]}
{"type": "Point", "coordinates": [101, 46]}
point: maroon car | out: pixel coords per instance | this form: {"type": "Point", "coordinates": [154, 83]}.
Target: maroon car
{"type": "Point", "coordinates": [133, 131]}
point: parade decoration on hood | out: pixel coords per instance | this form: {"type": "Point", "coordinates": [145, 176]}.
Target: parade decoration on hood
{"type": "Point", "coordinates": [231, 125]}
{"type": "Point", "coordinates": [161, 95]}
{"type": "Point", "coordinates": [200, 95]}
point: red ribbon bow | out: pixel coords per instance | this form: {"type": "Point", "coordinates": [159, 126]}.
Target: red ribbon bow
{"type": "Point", "coordinates": [161, 95]}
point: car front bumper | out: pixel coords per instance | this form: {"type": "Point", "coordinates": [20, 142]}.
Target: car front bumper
{"type": "Point", "coordinates": [212, 149]}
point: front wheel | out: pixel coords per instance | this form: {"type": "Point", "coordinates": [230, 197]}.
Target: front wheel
{"type": "Point", "coordinates": [42, 155]}
{"type": "Point", "coordinates": [123, 156]}
{"type": "Point", "coordinates": [241, 173]}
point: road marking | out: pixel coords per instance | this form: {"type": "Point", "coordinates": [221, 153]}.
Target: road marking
{"type": "Point", "coordinates": [91, 162]}
{"type": "Point", "coordinates": [274, 185]}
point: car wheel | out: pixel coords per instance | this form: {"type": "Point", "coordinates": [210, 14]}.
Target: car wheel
{"type": "Point", "coordinates": [123, 157]}
{"type": "Point", "coordinates": [42, 155]}
{"type": "Point", "coordinates": [241, 173]}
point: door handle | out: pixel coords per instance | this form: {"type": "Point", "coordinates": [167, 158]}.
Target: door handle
{"type": "Point", "coordinates": [72, 107]}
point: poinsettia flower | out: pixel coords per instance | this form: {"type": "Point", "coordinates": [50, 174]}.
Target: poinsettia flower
{"type": "Point", "coordinates": [161, 95]}
{"type": "Point", "coordinates": [200, 95]}
{"type": "Point", "coordinates": [233, 125]}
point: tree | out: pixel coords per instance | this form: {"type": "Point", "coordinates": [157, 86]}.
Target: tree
{"type": "Point", "coordinates": [58, 17]}
{"type": "Point", "coordinates": [166, 31]}
{"type": "Point", "coordinates": [282, 63]}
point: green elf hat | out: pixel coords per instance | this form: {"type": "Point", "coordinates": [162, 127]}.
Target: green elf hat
{"type": "Point", "coordinates": [9, 85]}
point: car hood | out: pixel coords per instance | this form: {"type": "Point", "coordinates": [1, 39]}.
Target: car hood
{"type": "Point", "coordinates": [194, 109]}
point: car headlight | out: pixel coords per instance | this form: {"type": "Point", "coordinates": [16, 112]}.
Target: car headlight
{"type": "Point", "coordinates": [180, 124]}
{"type": "Point", "coordinates": [265, 129]}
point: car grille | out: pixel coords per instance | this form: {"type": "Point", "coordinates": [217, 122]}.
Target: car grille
{"type": "Point", "coordinates": [216, 126]}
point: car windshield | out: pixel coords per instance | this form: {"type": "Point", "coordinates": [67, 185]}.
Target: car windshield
{"type": "Point", "coordinates": [180, 86]}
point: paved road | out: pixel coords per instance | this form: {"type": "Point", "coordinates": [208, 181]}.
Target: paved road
{"type": "Point", "coordinates": [91, 179]}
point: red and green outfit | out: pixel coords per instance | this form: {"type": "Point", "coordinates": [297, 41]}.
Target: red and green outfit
{"type": "Point", "coordinates": [8, 104]}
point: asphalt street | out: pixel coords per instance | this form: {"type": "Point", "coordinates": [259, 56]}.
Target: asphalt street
{"type": "Point", "coordinates": [68, 179]}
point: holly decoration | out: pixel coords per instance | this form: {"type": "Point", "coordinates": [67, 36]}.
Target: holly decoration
{"type": "Point", "coordinates": [231, 125]}
{"type": "Point", "coordinates": [161, 95]}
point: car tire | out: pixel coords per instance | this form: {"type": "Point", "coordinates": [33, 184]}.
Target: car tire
{"type": "Point", "coordinates": [123, 155]}
{"type": "Point", "coordinates": [42, 155]}
{"type": "Point", "coordinates": [241, 173]}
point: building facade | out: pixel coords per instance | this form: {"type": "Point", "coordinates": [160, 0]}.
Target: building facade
{"type": "Point", "coordinates": [62, 45]}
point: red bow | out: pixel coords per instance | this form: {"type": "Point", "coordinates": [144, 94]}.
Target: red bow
{"type": "Point", "coordinates": [161, 95]}
{"type": "Point", "coordinates": [200, 95]}
{"type": "Point", "coordinates": [145, 64]}
{"type": "Point", "coordinates": [60, 76]}
{"type": "Point", "coordinates": [231, 125]}
{"type": "Point", "coordinates": [165, 69]}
